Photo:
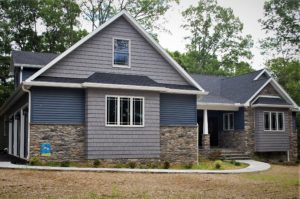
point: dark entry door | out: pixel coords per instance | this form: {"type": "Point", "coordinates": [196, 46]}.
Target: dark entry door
{"type": "Point", "coordinates": [213, 130]}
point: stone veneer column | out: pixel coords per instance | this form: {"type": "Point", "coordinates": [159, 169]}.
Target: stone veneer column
{"type": "Point", "coordinates": [293, 152]}
{"type": "Point", "coordinates": [206, 142]}
{"type": "Point", "coordinates": [248, 140]}
{"type": "Point", "coordinates": [67, 141]}
{"type": "Point", "coordinates": [179, 144]}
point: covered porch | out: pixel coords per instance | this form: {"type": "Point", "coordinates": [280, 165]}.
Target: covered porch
{"type": "Point", "coordinates": [216, 123]}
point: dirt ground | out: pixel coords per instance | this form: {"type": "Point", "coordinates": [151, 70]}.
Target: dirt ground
{"type": "Point", "coordinates": [279, 182]}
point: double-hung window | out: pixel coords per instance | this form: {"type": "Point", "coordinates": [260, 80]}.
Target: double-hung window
{"type": "Point", "coordinates": [273, 121]}
{"type": "Point", "coordinates": [124, 111]}
{"type": "Point", "coordinates": [121, 53]}
{"type": "Point", "coordinates": [228, 121]}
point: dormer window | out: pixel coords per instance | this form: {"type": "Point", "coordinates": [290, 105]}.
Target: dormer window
{"type": "Point", "coordinates": [121, 53]}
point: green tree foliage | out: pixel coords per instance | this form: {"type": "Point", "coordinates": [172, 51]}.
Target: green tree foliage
{"type": "Point", "coordinates": [217, 45]}
{"type": "Point", "coordinates": [146, 12]}
{"type": "Point", "coordinates": [39, 25]}
{"type": "Point", "coordinates": [287, 73]}
{"type": "Point", "coordinates": [60, 20]}
{"type": "Point", "coordinates": [6, 85]}
{"type": "Point", "coordinates": [281, 23]}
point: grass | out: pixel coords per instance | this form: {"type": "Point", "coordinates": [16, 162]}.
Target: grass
{"type": "Point", "coordinates": [210, 165]}
{"type": "Point", "coordinates": [204, 164]}
{"type": "Point", "coordinates": [279, 182]}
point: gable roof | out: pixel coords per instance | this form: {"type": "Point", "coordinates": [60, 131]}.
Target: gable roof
{"type": "Point", "coordinates": [270, 100]}
{"type": "Point", "coordinates": [21, 58]}
{"type": "Point", "coordinates": [132, 21]}
{"type": "Point", "coordinates": [239, 89]}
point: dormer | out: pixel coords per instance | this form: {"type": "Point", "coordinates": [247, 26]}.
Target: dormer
{"type": "Point", "coordinates": [25, 63]}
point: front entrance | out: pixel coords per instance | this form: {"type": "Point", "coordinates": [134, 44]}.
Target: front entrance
{"type": "Point", "coordinates": [213, 127]}
{"type": "Point", "coordinates": [213, 131]}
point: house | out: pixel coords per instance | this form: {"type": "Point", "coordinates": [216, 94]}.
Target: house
{"type": "Point", "coordinates": [117, 95]}
{"type": "Point", "coordinates": [249, 112]}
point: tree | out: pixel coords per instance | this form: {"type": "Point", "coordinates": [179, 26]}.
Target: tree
{"type": "Point", "coordinates": [39, 25]}
{"type": "Point", "coordinates": [146, 12]}
{"type": "Point", "coordinates": [217, 45]}
{"type": "Point", "coordinates": [60, 20]}
{"type": "Point", "coordinates": [18, 25]}
{"type": "Point", "coordinates": [281, 23]}
{"type": "Point", "coordinates": [6, 85]}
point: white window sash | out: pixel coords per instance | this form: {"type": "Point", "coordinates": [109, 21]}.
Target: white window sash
{"type": "Point", "coordinates": [130, 111]}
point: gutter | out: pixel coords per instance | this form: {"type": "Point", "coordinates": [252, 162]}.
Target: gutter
{"type": "Point", "coordinates": [29, 120]}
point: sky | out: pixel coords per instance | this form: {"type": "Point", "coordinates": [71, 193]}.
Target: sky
{"type": "Point", "coordinates": [249, 12]}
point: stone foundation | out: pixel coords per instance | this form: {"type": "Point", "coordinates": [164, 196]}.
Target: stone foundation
{"type": "Point", "coordinates": [67, 141]}
{"type": "Point", "coordinates": [179, 144]}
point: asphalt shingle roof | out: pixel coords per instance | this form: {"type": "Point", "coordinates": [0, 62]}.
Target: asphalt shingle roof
{"type": "Point", "coordinates": [268, 100]}
{"type": "Point", "coordinates": [236, 89]}
{"type": "Point", "coordinates": [111, 78]}
{"type": "Point", "coordinates": [32, 58]}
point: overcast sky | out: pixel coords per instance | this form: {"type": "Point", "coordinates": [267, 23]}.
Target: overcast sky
{"type": "Point", "coordinates": [249, 11]}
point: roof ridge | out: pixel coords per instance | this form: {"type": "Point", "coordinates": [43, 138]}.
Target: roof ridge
{"type": "Point", "coordinates": [34, 52]}
{"type": "Point", "coordinates": [244, 74]}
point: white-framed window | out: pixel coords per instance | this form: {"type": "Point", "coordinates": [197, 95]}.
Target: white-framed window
{"type": "Point", "coordinates": [228, 121]}
{"type": "Point", "coordinates": [121, 53]}
{"type": "Point", "coordinates": [273, 121]}
{"type": "Point", "coordinates": [127, 111]}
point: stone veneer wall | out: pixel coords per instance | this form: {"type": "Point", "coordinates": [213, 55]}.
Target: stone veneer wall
{"type": "Point", "coordinates": [293, 139]}
{"type": "Point", "coordinates": [67, 141]}
{"type": "Point", "coordinates": [242, 140]}
{"type": "Point", "coordinates": [179, 144]}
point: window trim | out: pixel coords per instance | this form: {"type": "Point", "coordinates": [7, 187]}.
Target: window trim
{"type": "Point", "coordinates": [131, 111]}
{"type": "Point", "coordinates": [113, 53]}
{"type": "Point", "coordinates": [229, 129]}
{"type": "Point", "coordinates": [277, 121]}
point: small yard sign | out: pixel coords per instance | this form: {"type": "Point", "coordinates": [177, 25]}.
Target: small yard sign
{"type": "Point", "coordinates": [45, 149]}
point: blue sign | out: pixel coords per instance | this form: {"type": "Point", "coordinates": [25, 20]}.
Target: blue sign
{"type": "Point", "coordinates": [45, 149]}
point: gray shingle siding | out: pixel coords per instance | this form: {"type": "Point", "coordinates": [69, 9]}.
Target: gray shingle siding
{"type": "Point", "coordinates": [178, 109]}
{"type": "Point", "coordinates": [121, 142]}
{"type": "Point", "coordinates": [95, 55]}
{"type": "Point", "coordinates": [57, 106]}
{"type": "Point", "coordinates": [266, 141]}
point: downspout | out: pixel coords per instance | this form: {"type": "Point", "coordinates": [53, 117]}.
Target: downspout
{"type": "Point", "coordinates": [29, 119]}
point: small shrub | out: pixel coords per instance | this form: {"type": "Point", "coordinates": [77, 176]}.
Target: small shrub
{"type": "Point", "coordinates": [237, 164]}
{"type": "Point", "coordinates": [215, 155]}
{"type": "Point", "coordinates": [297, 161]}
{"type": "Point", "coordinates": [96, 163]}
{"type": "Point", "coordinates": [65, 164]}
{"type": "Point", "coordinates": [218, 164]}
{"type": "Point", "coordinates": [166, 165]}
{"type": "Point", "coordinates": [232, 162]}
{"type": "Point", "coordinates": [188, 166]}
{"type": "Point", "coordinates": [132, 165]}
{"type": "Point", "coordinates": [35, 161]}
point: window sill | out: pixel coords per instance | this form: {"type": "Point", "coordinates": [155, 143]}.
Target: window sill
{"type": "Point", "coordinates": [120, 66]}
{"type": "Point", "coordinates": [125, 126]}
